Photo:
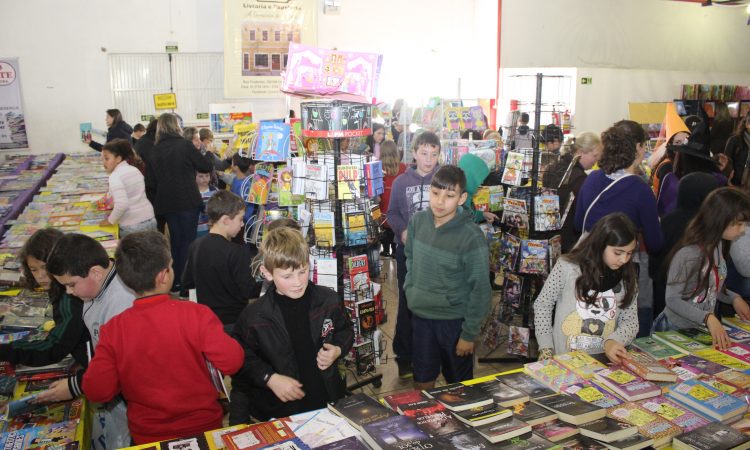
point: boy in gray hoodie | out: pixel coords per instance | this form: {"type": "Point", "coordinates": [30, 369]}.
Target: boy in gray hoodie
{"type": "Point", "coordinates": [410, 193]}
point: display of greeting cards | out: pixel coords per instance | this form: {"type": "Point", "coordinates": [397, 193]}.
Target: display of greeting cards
{"type": "Point", "coordinates": [547, 213]}
{"type": "Point", "coordinates": [515, 214]}
{"type": "Point", "coordinates": [533, 256]}
{"type": "Point", "coordinates": [272, 143]}
{"type": "Point", "coordinates": [513, 288]}
{"type": "Point", "coordinates": [261, 185]}
{"type": "Point", "coordinates": [512, 173]}
{"type": "Point", "coordinates": [518, 341]}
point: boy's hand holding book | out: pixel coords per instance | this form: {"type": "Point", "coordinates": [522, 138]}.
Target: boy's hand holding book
{"type": "Point", "coordinates": [285, 388]}
{"type": "Point", "coordinates": [464, 348]}
{"type": "Point", "coordinates": [327, 355]}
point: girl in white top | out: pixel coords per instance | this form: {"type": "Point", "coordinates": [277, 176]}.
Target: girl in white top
{"type": "Point", "coordinates": [131, 209]}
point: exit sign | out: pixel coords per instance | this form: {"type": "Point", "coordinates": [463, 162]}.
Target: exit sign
{"type": "Point", "coordinates": [585, 80]}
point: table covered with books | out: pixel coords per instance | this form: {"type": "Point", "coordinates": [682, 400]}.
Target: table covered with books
{"type": "Point", "coordinates": [672, 390]}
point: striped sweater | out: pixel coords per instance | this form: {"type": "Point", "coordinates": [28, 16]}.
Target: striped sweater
{"type": "Point", "coordinates": [447, 271]}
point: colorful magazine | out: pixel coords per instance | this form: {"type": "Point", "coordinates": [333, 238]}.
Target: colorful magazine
{"type": "Point", "coordinates": [261, 185]}
{"type": "Point", "coordinates": [515, 214]}
{"type": "Point", "coordinates": [518, 341]}
{"type": "Point", "coordinates": [513, 290]}
{"type": "Point", "coordinates": [273, 141]}
{"type": "Point", "coordinates": [533, 256]}
{"type": "Point", "coordinates": [511, 245]}
{"type": "Point", "coordinates": [547, 213]}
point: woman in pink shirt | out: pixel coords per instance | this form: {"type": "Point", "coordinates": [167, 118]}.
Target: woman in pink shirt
{"type": "Point", "coordinates": [131, 209]}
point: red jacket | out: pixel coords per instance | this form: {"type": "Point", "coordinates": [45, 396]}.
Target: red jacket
{"type": "Point", "coordinates": [153, 353]}
{"type": "Point", "coordinates": [385, 198]}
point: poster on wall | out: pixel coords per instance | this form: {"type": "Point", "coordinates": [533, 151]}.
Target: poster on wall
{"type": "Point", "coordinates": [12, 125]}
{"type": "Point", "coordinates": [257, 34]}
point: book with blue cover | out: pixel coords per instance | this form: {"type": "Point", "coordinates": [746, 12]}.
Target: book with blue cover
{"type": "Point", "coordinates": [707, 400]}
{"type": "Point", "coordinates": [273, 142]}
{"type": "Point", "coordinates": [374, 178]}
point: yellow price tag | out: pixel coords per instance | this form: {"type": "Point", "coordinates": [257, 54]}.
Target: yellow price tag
{"type": "Point", "coordinates": [621, 377]}
{"type": "Point", "coordinates": [640, 418]}
{"type": "Point", "coordinates": [725, 388]}
{"type": "Point", "coordinates": [590, 394]}
{"type": "Point", "coordinates": [699, 392]}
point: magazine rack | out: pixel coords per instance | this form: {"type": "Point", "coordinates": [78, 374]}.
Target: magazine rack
{"type": "Point", "coordinates": [337, 120]}
{"type": "Point", "coordinates": [531, 283]}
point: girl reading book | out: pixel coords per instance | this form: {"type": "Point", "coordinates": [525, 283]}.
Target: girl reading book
{"type": "Point", "coordinates": [592, 292]}
{"type": "Point", "coordinates": [69, 336]}
{"type": "Point", "coordinates": [697, 267]}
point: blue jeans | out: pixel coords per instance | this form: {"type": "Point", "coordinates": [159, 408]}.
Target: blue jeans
{"type": "Point", "coordinates": [736, 282]}
{"type": "Point", "coordinates": [435, 342]}
{"type": "Point", "coordinates": [183, 226]}
{"type": "Point", "coordinates": [402, 337]}
{"type": "Point", "coordinates": [661, 323]}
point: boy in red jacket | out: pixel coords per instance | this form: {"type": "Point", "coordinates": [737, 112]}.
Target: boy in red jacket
{"type": "Point", "coordinates": [155, 353]}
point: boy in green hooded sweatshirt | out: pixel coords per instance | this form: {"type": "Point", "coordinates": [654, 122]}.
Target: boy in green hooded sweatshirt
{"type": "Point", "coordinates": [476, 171]}
{"type": "Point", "coordinates": [447, 289]}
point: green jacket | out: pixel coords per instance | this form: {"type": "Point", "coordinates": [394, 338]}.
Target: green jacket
{"type": "Point", "coordinates": [447, 271]}
{"type": "Point", "coordinates": [476, 171]}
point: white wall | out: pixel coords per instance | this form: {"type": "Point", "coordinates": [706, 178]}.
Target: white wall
{"type": "Point", "coordinates": [65, 75]}
{"type": "Point", "coordinates": [634, 50]}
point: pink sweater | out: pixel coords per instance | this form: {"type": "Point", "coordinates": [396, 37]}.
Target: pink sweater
{"type": "Point", "coordinates": [128, 192]}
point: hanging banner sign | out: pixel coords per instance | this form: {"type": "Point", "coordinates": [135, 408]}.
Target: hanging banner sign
{"type": "Point", "coordinates": [257, 34]}
{"type": "Point", "coordinates": [12, 125]}
{"type": "Point", "coordinates": [165, 101]}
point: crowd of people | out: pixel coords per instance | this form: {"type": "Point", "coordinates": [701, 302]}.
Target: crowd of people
{"type": "Point", "coordinates": [640, 254]}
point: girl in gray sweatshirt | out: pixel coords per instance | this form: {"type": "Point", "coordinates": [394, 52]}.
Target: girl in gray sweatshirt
{"type": "Point", "coordinates": [697, 267]}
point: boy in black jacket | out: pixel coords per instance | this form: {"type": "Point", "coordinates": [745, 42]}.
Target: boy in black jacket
{"type": "Point", "coordinates": [293, 337]}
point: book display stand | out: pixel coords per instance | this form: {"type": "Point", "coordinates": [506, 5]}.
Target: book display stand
{"type": "Point", "coordinates": [345, 226]}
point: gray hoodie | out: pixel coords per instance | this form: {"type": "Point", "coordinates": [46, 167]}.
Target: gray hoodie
{"type": "Point", "coordinates": [410, 193]}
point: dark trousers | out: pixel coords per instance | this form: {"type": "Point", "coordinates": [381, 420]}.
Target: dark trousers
{"type": "Point", "coordinates": [161, 224]}
{"type": "Point", "coordinates": [183, 227]}
{"type": "Point", "coordinates": [239, 407]}
{"type": "Point", "coordinates": [387, 240]}
{"type": "Point", "coordinates": [436, 341]}
{"type": "Point", "coordinates": [402, 339]}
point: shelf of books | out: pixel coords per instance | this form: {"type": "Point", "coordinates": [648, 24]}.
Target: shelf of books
{"type": "Point", "coordinates": [670, 391]}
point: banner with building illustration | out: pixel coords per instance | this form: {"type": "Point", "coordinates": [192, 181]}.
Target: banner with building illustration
{"type": "Point", "coordinates": [12, 125]}
{"type": "Point", "coordinates": [257, 34]}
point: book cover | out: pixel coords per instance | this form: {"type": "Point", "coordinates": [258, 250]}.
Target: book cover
{"type": "Point", "coordinates": [359, 272]}
{"type": "Point", "coordinates": [591, 392]}
{"type": "Point", "coordinates": [626, 384]}
{"type": "Point", "coordinates": [347, 177]}
{"type": "Point", "coordinates": [439, 423]}
{"type": "Point", "coordinates": [736, 334]}
{"type": "Point", "coordinates": [316, 181]}
{"type": "Point", "coordinates": [571, 409]}
{"type": "Point", "coordinates": [60, 435]}
{"type": "Point", "coordinates": [350, 443]}
{"type": "Point", "coordinates": [532, 413]}
{"type": "Point", "coordinates": [698, 365]}
{"type": "Point", "coordinates": [46, 414]}
{"type": "Point", "coordinates": [22, 405]}
{"type": "Point", "coordinates": [395, 432]}
{"type": "Point", "coordinates": [533, 256]}
{"type": "Point", "coordinates": [723, 359]}
{"type": "Point", "coordinates": [324, 229]}
{"type": "Point", "coordinates": [501, 393]}
{"type": "Point", "coordinates": [395, 400]}
{"type": "Point", "coordinates": [360, 410]}
{"type": "Point", "coordinates": [258, 435]}
{"type": "Point", "coordinates": [552, 374]}
{"type": "Point", "coordinates": [649, 424]}
{"type": "Point", "coordinates": [481, 199]}
{"type": "Point", "coordinates": [495, 243]}
{"type": "Point", "coordinates": [555, 249]}
{"type": "Point", "coordinates": [503, 429]}
{"type": "Point", "coordinates": [739, 351]}
{"type": "Point", "coordinates": [607, 429]}
{"type": "Point", "coordinates": [285, 180]}
{"type": "Point", "coordinates": [261, 184]}
{"type": "Point", "coordinates": [421, 407]}
{"type": "Point", "coordinates": [581, 442]}
{"type": "Point", "coordinates": [739, 379]}
{"type": "Point", "coordinates": [515, 214]}
{"type": "Point", "coordinates": [518, 338]}
{"type": "Point", "coordinates": [646, 367]}
{"type": "Point", "coordinates": [555, 430]}
{"type": "Point", "coordinates": [289, 444]}
{"type": "Point", "coordinates": [364, 356]}
{"type": "Point", "coordinates": [547, 212]}
{"type": "Point", "coordinates": [736, 322]}
{"type": "Point", "coordinates": [374, 178]}
{"type": "Point", "coordinates": [512, 173]}
{"type": "Point", "coordinates": [633, 442]}
{"type": "Point", "coordinates": [678, 342]}
{"type": "Point", "coordinates": [355, 230]}
{"type": "Point", "coordinates": [496, 195]}
{"type": "Point", "coordinates": [299, 173]}
{"type": "Point", "coordinates": [509, 248]}
{"type": "Point", "coordinates": [697, 334]}
{"type": "Point", "coordinates": [512, 292]}
{"type": "Point", "coordinates": [273, 141]}
{"type": "Point", "coordinates": [579, 362]}
{"type": "Point", "coordinates": [459, 397]}
{"type": "Point", "coordinates": [85, 130]}
{"type": "Point", "coordinates": [467, 439]}
{"type": "Point", "coordinates": [526, 384]}
{"type": "Point", "coordinates": [365, 318]}
{"type": "Point", "coordinates": [655, 348]}
{"type": "Point", "coordinates": [707, 400]}
{"type": "Point", "coordinates": [528, 441]}
{"type": "Point", "coordinates": [482, 415]}
{"type": "Point", "coordinates": [676, 413]}
{"type": "Point", "coordinates": [318, 427]}
{"type": "Point", "coordinates": [188, 443]}
{"type": "Point", "coordinates": [714, 436]}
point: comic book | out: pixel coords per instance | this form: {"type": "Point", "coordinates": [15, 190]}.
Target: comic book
{"type": "Point", "coordinates": [515, 214]}
{"type": "Point", "coordinates": [512, 173]}
{"type": "Point", "coordinates": [285, 181]}
{"type": "Point", "coordinates": [510, 246]}
{"type": "Point", "coordinates": [533, 256]}
{"type": "Point", "coordinates": [261, 185]}
{"type": "Point", "coordinates": [518, 341]}
{"type": "Point", "coordinates": [547, 213]}
{"type": "Point", "coordinates": [513, 289]}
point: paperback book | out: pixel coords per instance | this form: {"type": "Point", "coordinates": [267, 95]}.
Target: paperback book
{"type": "Point", "coordinates": [677, 341]}
{"type": "Point", "coordinates": [532, 413]}
{"type": "Point", "coordinates": [509, 249]}
{"type": "Point", "coordinates": [502, 394]}
{"type": "Point", "coordinates": [397, 432]}
{"type": "Point", "coordinates": [273, 141]}
{"type": "Point", "coordinates": [483, 415]}
{"type": "Point", "coordinates": [528, 441]}
{"type": "Point", "coordinates": [552, 374]}
{"type": "Point", "coordinates": [439, 423]}
{"type": "Point", "coordinates": [646, 367]}
{"type": "Point", "coordinates": [571, 409]}
{"type": "Point", "coordinates": [459, 397]}
{"type": "Point", "coordinates": [723, 359]}
{"type": "Point", "coordinates": [655, 348]}
{"type": "Point", "coordinates": [526, 384]}
{"type": "Point", "coordinates": [626, 384]}
{"type": "Point", "coordinates": [360, 410]}
{"type": "Point", "coordinates": [347, 177]}
{"type": "Point", "coordinates": [512, 291]}
{"type": "Point", "coordinates": [547, 213]}
{"type": "Point", "coordinates": [355, 229]}
{"type": "Point", "coordinates": [515, 214]}
{"type": "Point", "coordinates": [374, 178]}
{"type": "Point", "coordinates": [676, 413]}
{"type": "Point", "coordinates": [316, 181]}
{"type": "Point", "coordinates": [714, 436]}
{"type": "Point", "coordinates": [579, 362]}
{"type": "Point", "coordinates": [608, 429]}
{"type": "Point", "coordinates": [707, 400]}
{"type": "Point", "coordinates": [261, 184]}
{"type": "Point", "coordinates": [649, 424]}
{"type": "Point", "coordinates": [496, 194]}
{"type": "Point", "coordinates": [533, 256]}
{"type": "Point", "coordinates": [513, 171]}
{"type": "Point", "coordinates": [518, 339]}
{"type": "Point", "coordinates": [503, 430]}
{"type": "Point", "coordinates": [555, 430]}
{"type": "Point", "coordinates": [591, 392]}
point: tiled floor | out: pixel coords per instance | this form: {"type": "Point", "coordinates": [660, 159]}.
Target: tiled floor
{"type": "Point", "coordinates": [391, 382]}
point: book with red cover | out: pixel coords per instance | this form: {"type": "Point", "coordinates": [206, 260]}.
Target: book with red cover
{"type": "Point", "coordinates": [359, 272]}
{"type": "Point", "coordinates": [626, 384]}
{"type": "Point", "coordinates": [395, 400]}
{"type": "Point", "coordinates": [258, 436]}
{"type": "Point", "coordinates": [739, 351]}
{"type": "Point", "coordinates": [647, 367]}
{"type": "Point", "coordinates": [422, 407]}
